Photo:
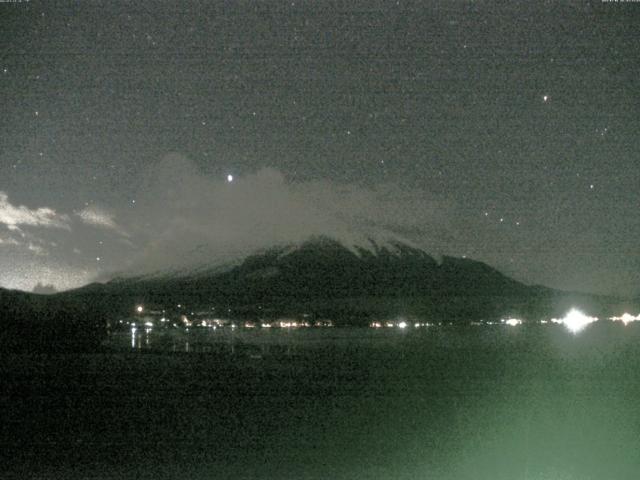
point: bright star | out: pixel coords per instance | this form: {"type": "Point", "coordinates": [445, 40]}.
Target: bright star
{"type": "Point", "coordinates": [229, 178]}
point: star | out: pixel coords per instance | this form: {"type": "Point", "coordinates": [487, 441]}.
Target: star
{"type": "Point", "coordinates": [229, 178]}
{"type": "Point", "coordinates": [545, 98]}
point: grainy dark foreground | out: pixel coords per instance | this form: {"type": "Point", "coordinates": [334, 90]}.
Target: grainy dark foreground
{"type": "Point", "coordinates": [450, 403]}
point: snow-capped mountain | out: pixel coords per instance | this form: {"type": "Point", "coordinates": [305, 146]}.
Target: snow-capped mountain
{"type": "Point", "coordinates": [325, 277]}
{"type": "Point", "coordinates": [325, 266]}
{"type": "Point", "coordinates": [319, 278]}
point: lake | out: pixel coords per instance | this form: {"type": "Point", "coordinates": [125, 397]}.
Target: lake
{"type": "Point", "coordinates": [474, 402]}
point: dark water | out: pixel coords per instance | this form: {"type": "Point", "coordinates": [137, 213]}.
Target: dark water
{"type": "Point", "coordinates": [442, 403]}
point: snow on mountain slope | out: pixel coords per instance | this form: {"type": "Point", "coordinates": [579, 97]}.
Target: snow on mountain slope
{"type": "Point", "coordinates": [202, 260]}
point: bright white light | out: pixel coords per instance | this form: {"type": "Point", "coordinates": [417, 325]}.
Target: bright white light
{"type": "Point", "coordinates": [402, 325]}
{"type": "Point", "coordinates": [626, 318]}
{"type": "Point", "coordinates": [512, 322]}
{"type": "Point", "coordinates": [229, 178]}
{"type": "Point", "coordinates": [148, 324]}
{"type": "Point", "coordinates": [139, 309]}
{"type": "Point", "coordinates": [545, 98]}
{"type": "Point", "coordinates": [575, 320]}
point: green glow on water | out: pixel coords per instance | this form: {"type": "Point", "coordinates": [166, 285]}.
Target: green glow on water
{"type": "Point", "coordinates": [450, 403]}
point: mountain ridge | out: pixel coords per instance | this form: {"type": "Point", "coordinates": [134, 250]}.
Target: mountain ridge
{"type": "Point", "coordinates": [321, 278]}
{"type": "Point", "coordinates": [325, 277]}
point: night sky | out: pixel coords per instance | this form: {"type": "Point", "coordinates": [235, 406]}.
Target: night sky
{"type": "Point", "coordinates": [142, 136]}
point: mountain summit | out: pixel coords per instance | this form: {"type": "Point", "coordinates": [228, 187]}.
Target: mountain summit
{"type": "Point", "coordinates": [325, 277]}
{"type": "Point", "coordinates": [321, 278]}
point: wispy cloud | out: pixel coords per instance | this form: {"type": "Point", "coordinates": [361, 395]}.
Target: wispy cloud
{"type": "Point", "coordinates": [186, 218]}
{"type": "Point", "coordinates": [17, 238]}
{"type": "Point", "coordinates": [101, 218]}
{"type": "Point", "coordinates": [8, 241]}
{"type": "Point", "coordinates": [36, 249]}
{"type": "Point", "coordinates": [15, 216]}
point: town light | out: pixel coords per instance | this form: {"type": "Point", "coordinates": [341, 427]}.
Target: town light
{"type": "Point", "coordinates": [626, 318]}
{"type": "Point", "coordinates": [512, 322]}
{"type": "Point", "coordinates": [575, 320]}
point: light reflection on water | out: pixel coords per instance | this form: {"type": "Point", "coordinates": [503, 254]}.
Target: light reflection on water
{"type": "Point", "coordinates": [221, 340]}
{"type": "Point", "coordinates": [481, 402]}
{"type": "Point", "coordinates": [261, 340]}
{"type": "Point", "coordinates": [495, 402]}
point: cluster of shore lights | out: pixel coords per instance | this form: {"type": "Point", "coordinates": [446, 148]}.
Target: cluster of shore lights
{"type": "Point", "coordinates": [512, 322]}
{"type": "Point", "coordinates": [575, 320]}
{"type": "Point", "coordinates": [402, 324]}
{"type": "Point", "coordinates": [626, 318]}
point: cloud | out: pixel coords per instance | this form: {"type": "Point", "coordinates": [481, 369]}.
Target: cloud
{"type": "Point", "coordinates": [36, 249]}
{"type": "Point", "coordinates": [185, 218]}
{"type": "Point", "coordinates": [16, 216]}
{"type": "Point", "coordinates": [9, 241]}
{"type": "Point", "coordinates": [15, 237]}
{"type": "Point", "coordinates": [98, 217]}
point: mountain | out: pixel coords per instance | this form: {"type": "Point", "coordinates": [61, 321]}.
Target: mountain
{"type": "Point", "coordinates": [320, 278]}
{"type": "Point", "coordinates": [49, 323]}
{"type": "Point", "coordinates": [323, 277]}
